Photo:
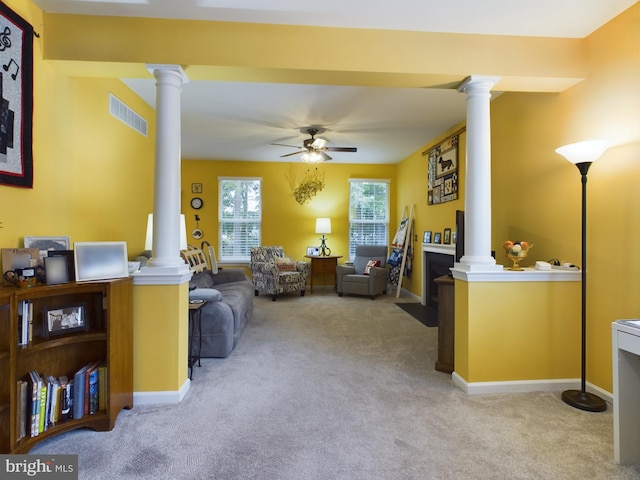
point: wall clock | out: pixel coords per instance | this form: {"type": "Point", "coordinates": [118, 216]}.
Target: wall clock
{"type": "Point", "coordinates": [196, 202]}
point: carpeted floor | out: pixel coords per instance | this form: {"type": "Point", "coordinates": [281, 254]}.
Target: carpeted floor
{"type": "Point", "coordinates": [323, 387]}
{"type": "Point", "coordinates": [425, 315]}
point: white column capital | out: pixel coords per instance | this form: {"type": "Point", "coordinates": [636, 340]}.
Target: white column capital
{"type": "Point", "coordinates": [167, 70]}
{"type": "Point", "coordinates": [478, 84]}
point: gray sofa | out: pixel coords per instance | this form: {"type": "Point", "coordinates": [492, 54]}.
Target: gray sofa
{"type": "Point", "coordinates": [229, 296]}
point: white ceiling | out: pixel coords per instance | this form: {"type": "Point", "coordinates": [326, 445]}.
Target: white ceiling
{"type": "Point", "coordinates": [238, 121]}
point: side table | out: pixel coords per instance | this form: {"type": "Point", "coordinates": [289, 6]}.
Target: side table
{"type": "Point", "coordinates": [323, 265]}
{"type": "Point", "coordinates": [195, 317]}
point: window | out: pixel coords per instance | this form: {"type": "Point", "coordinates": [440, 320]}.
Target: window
{"type": "Point", "coordinates": [239, 218]}
{"type": "Point", "coordinates": [368, 213]}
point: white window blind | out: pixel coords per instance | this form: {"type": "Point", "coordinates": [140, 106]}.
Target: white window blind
{"type": "Point", "coordinates": [368, 213]}
{"type": "Point", "coordinates": [239, 218]}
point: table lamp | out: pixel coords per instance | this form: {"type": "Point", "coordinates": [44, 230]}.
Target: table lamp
{"type": "Point", "coordinates": [323, 226]}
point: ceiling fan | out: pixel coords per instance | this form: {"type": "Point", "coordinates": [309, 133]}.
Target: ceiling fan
{"type": "Point", "coordinates": [314, 149]}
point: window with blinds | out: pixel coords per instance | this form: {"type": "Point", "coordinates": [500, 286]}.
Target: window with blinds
{"type": "Point", "coordinates": [368, 213]}
{"type": "Point", "coordinates": [239, 218]}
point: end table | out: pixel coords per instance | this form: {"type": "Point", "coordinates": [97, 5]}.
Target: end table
{"type": "Point", "coordinates": [323, 264]}
{"type": "Point", "coordinates": [195, 316]}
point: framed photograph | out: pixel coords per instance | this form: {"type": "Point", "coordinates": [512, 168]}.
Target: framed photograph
{"type": "Point", "coordinates": [196, 188]}
{"type": "Point", "coordinates": [436, 237]}
{"type": "Point", "coordinates": [313, 251]}
{"type": "Point", "coordinates": [100, 260]}
{"type": "Point", "coordinates": [56, 270]}
{"type": "Point", "coordinates": [426, 238]}
{"type": "Point", "coordinates": [446, 238]}
{"type": "Point", "coordinates": [46, 244]}
{"type": "Point", "coordinates": [60, 321]}
{"type": "Point", "coordinates": [70, 262]}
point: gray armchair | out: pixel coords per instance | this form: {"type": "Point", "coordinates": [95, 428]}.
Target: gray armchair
{"type": "Point", "coordinates": [352, 278]}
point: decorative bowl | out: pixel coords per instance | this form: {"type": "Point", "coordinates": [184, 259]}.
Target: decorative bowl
{"type": "Point", "coordinates": [516, 252]}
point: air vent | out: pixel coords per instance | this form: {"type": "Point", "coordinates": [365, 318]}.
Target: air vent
{"type": "Point", "coordinates": [126, 115]}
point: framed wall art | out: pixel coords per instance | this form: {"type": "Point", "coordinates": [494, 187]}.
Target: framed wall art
{"type": "Point", "coordinates": [442, 181]}
{"type": "Point", "coordinates": [45, 244]}
{"type": "Point", "coordinates": [16, 99]}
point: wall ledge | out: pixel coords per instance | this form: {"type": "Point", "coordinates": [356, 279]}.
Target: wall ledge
{"type": "Point", "coordinates": [529, 274]}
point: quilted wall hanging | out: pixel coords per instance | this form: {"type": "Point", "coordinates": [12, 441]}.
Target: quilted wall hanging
{"type": "Point", "coordinates": [16, 99]}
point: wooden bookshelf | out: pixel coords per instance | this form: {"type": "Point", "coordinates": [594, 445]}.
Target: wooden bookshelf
{"type": "Point", "coordinates": [108, 337]}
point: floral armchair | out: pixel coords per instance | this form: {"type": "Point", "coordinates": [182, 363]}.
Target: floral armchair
{"type": "Point", "coordinates": [273, 273]}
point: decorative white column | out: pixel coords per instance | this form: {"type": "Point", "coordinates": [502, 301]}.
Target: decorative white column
{"type": "Point", "coordinates": [166, 258]}
{"type": "Point", "coordinates": [477, 218]}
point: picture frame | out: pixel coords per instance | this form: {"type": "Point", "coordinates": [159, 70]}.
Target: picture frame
{"type": "Point", "coordinates": [46, 244]}
{"type": "Point", "coordinates": [436, 237]}
{"type": "Point", "coordinates": [442, 171]}
{"type": "Point", "coordinates": [100, 260]}
{"type": "Point", "coordinates": [426, 237]}
{"type": "Point", "coordinates": [69, 256]}
{"type": "Point", "coordinates": [446, 237]}
{"type": "Point", "coordinates": [19, 258]}
{"type": "Point", "coordinates": [196, 188]}
{"type": "Point", "coordinates": [313, 251]}
{"type": "Point", "coordinates": [64, 320]}
{"type": "Point", "coordinates": [56, 270]}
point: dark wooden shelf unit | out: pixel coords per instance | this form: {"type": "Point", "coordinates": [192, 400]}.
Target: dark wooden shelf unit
{"type": "Point", "coordinates": [109, 315]}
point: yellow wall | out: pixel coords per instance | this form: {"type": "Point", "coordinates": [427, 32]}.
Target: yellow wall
{"type": "Point", "coordinates": [160, 342]}
{"type": "Point", "coordinates": [536, 193]}
{"type": "Point", "coordinates": [93, 175]}
{"type": "Point", "coordinates": [284, 221]}
{"type": "Point", "coordinates": [412, 176]}
{"type": "Point", "coordinates": [502, 335]}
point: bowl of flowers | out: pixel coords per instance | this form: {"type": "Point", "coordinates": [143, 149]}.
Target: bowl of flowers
{"type": "Point", "coordinates": [516, 251]}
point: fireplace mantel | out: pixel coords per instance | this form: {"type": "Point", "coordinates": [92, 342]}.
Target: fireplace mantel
{"type": "Point", "coordinates": [432, 248]}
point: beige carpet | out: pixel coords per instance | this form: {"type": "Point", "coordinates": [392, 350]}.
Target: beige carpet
{"type": "Point", "coordinates": [322, 388]}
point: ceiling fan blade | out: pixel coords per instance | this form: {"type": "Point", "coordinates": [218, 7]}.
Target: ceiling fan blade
{"type": "Point", "coordinates": [285, 145]}
{"type": "Point", "coordinates": [325, 157]}
{"type": "Point", "coordinates": [294, 153]}
{"type": "Point", "coordinates": [341, 149]}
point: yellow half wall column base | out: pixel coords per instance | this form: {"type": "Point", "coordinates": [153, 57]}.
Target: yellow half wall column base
{"type": "Point", "coordinates": [517, 332]}
{"type": "Point", "coordinates": [160, 342]}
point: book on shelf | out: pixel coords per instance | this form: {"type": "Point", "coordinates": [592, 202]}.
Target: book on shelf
{"type": "Point", "coordinates": [78, 393]}
{"type": "Point", "coordinates": [91, 376]}
{"type": "Point", "coordinates": [35, 402]}
{"type": "Point", "coordinates": [23, 403]}
{"type": "Point", "coordinates": [102, 386]}
{"type": "Point", "coordinates": [25, 322]}
{"type": "Point", "coordinates": [65, 398]}
{"type": "Point", "coordinates": [94, 388]}
{"type": "Point", "coordinates": [42, 407]}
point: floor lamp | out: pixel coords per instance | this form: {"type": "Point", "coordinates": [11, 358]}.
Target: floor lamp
{"type": "Point", "coordinates": [582, 155]}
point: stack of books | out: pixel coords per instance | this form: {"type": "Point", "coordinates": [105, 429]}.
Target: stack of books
{"type": "Point", "coordinates": [45, 401]}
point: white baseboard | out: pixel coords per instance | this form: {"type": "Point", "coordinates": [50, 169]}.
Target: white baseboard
{"type": "Point", "coordinates": [161, 397]}
{"type": "Point", "coordinates": [523, 386]}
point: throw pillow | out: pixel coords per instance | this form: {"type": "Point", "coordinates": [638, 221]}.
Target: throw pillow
{"type": "Point", "coordinates": [285, 264]}
{"type": "Point", "coordinates": [370, 265]}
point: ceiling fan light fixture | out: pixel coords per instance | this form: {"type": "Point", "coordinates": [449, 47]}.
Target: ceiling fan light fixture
{"type": "Point", "coordinates": [311, 157]}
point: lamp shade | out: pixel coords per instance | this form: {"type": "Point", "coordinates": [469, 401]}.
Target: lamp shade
{"type": "Point", "coordinates": [323, 225]}
{"type": "Point", "coordinates": [583, 152]}
{"type": "Point", "coordinates": [148, 244]}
